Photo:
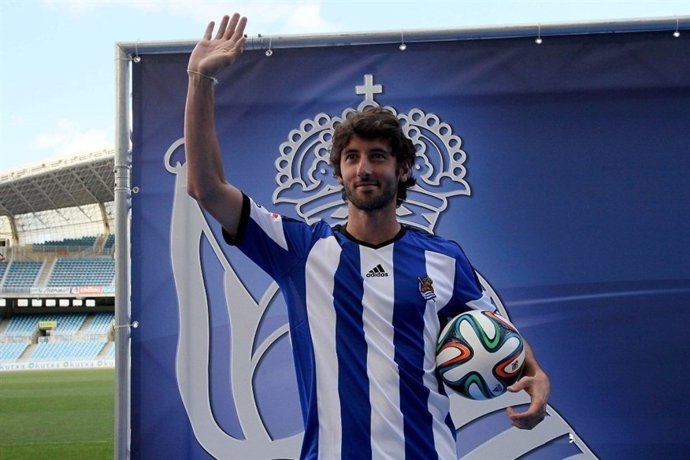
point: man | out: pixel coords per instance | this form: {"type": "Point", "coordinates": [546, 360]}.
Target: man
{"type": "Point", "coordinates": [363, 334]}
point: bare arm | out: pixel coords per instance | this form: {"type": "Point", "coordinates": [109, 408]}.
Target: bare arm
{"type": "Point", "coordinates": [205, 178]}
{"type": "Point", "coordinates": [536, 383]}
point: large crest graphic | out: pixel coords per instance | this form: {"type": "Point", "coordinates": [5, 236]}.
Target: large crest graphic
{"type": "Point", "coordinates": [304, 179]}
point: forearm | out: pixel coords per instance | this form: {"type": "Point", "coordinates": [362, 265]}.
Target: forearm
{"type": "Point", "coordinates": [204, 165]}
{"type": "Point", "coordinates": [205, 175]}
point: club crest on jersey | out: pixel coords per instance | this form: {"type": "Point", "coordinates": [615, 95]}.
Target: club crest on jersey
{"type": "Point", "coordinates": [426, 288]}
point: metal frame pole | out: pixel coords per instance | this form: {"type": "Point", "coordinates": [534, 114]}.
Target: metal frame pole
{"type": "Point", "coordinates": [122, 194]}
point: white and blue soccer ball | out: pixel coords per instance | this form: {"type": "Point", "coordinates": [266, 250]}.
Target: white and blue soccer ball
{"type": "Point", "coordinates": [479, 354]}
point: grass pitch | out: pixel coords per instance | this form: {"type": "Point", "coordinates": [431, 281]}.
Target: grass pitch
{"type": "Point", "coordinates": [64, 414]}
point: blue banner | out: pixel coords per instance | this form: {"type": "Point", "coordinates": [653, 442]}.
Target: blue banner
{"type": "Point", "coordinates": [561, 168]}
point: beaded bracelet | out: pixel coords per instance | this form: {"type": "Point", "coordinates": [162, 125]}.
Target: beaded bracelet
{"type": "Point", "coordinates": [208, 77]}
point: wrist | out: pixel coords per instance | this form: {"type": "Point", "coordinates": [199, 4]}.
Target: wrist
{"type": "Point", "coordinates": [200, 76]}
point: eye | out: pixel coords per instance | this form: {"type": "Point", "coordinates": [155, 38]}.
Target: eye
{"type": "Point", "coordinates": [378, 155]}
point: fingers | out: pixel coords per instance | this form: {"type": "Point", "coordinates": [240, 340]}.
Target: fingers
{"type": "Point", "coordinates": [239, 37]}
{"type": "Point", "coordinates": [240, 28]}
{"type": "Point", "coordinates": [523, 384]}
{"type": "Point", "coordinates": [515, 387]}
{"type": "Point", "coordinates": [229, 27]}
{"type": "Point", "coordinates": [235, 30]}
{"type": "Point", "coordinates": [227, 33]}
{"type": "Point", "coordinates": [209, 30]}
{"type": "Point", "coordinates": [528, 419]}
{"type": "Point", "coordinates": [223, 26]}
{"type": "Point", "coordinates": [535, 413]}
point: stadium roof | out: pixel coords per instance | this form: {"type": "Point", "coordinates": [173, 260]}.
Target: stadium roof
{"type": "Point", "coordinates": [68, 182]}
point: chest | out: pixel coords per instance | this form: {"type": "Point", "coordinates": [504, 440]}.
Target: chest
{"type": "Point", "coordinates": [392, 281]}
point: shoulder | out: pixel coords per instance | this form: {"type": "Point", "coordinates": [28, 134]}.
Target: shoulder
{"type": "Point", "coordinates": [430, 241]}
{"type": "Point", "coordinates": [257, 219]}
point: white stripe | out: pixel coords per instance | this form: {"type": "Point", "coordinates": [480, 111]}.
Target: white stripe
{"type": "Point", "coordinates": [321, 317]}
{"type": "Point", "coordinates": [270, 222]}
{"type": "Point", "coordinates": [441, 269]}
{"type": "Point", "coordinates": [387, 429]}
{"type": "Point", "coordinates": [482, 303]}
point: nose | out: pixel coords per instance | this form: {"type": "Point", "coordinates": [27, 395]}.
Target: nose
{"type": "Point", "coordinates": [364, 168]}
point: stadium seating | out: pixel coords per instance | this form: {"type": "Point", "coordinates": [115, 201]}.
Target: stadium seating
{"type": "Point", "coordinates": [76, 337]}
{"type": "Point", "coordinates": [21, 275]}
{"type": "Point", "coordinates": [65, 265]}
{"type": "Point", "coordinates": [66, 324]}
{"type": "Point", "coordinates": [101, 323]}
{"type": "Point", "coordinates": [23, 326]}
{"type": "Point", "coordinates": [109, 242]}
{"type": "Point", "coordinates": [10, 352]}
{"type": "Point", "coordinates": [48, 351]}
{"type": "Point", "coordinates": [82, 272]}
{"type": "Point", "coordinates": [67, 243]}
{"type": "Point", "coordinates": [3, 269]}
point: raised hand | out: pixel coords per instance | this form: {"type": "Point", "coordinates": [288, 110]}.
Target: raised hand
{"type": "Point", "coordinates": [211, 55]}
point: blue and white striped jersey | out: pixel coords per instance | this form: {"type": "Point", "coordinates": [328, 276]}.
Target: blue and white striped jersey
{"type": "Point", "coordinates": [364, 322]}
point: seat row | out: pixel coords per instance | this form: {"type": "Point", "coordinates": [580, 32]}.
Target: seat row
{"type": "Point", "coordinates": [54, 351]}
{"type": "Point", "coordinates": [27, 325]}
{"type": "Point", "coordinates": [22, 275]}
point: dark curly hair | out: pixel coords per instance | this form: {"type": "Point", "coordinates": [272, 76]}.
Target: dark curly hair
{"type": "Point", "coordinates": [375, 123]}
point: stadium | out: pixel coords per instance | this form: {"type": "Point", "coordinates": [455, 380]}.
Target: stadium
{"type": "Point", "coordinates": [57, 306]}
{"type": "Point", "coordinates": [57, 268]}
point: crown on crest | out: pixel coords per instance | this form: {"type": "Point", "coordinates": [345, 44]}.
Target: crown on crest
{"type": "Point", "coordinates": [305, 176]}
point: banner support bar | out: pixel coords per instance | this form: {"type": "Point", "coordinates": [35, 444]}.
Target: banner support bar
{"type": "Point", "coordinates": [122, 195]}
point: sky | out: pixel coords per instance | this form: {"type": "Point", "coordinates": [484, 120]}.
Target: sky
{"type": "Point", "coordinates": [57, 80]}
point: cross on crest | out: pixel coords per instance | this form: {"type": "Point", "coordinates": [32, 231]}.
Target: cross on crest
{"type": "Point", "coordinates": [368, 89]}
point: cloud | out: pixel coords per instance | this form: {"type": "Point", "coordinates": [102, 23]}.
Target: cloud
{"type": "Point", "coordinates": [69, 137]}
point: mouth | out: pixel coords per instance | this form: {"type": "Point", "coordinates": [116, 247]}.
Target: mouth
{"type": "Point", "coordinates": [366, 185]}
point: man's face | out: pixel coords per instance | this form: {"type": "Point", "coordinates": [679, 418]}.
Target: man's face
{"type": "Point", "coordinates": [370, 174]}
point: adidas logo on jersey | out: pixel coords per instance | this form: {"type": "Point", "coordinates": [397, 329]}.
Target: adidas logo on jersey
{"type": "Point", "coordinates": [377, 271]}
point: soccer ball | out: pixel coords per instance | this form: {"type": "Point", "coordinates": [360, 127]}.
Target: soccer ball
{"type": "Point", "coordinates": [479, 354]}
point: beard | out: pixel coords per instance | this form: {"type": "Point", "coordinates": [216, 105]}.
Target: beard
{"type": "Point", "coordinates": [372, 201]}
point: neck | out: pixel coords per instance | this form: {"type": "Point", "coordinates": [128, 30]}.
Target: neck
{"type": "Point", "coordinates": [372, 227]}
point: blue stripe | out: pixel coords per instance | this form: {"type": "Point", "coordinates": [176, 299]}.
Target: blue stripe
{"type": "Point", "coordinates": [409, 352]}
{"type": "Point", "coordinates": [351, 348]}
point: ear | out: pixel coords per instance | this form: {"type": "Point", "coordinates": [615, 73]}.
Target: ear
{"type": "Point", "coordinates": [404, 171]}
{"type": "Point", "coordinates": [339, 179]}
